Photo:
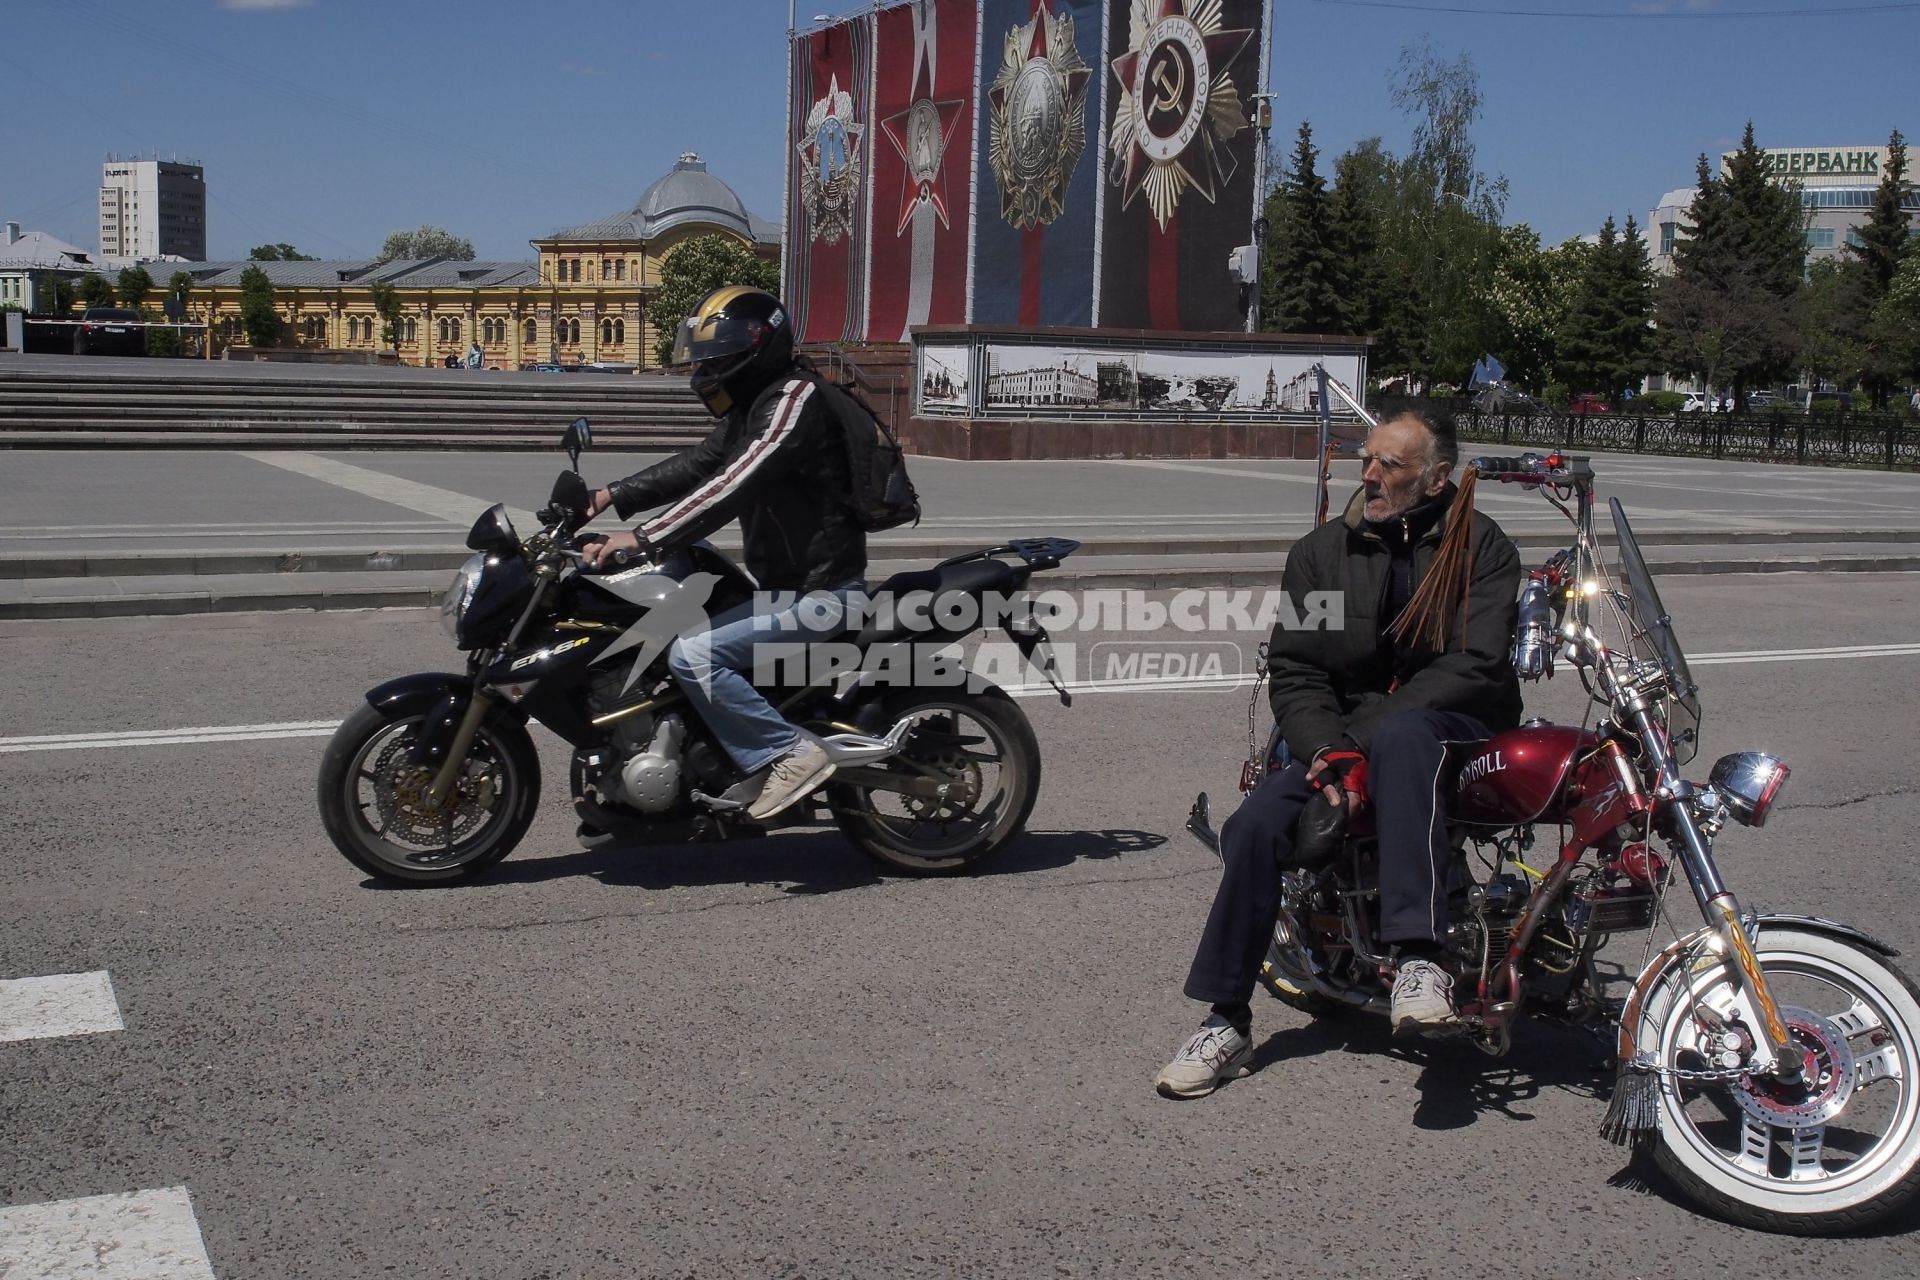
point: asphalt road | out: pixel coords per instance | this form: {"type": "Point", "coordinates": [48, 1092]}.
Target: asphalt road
{"type": "Point", "coordinates": [764, 1059]}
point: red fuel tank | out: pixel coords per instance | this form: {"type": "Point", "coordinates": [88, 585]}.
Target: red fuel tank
{"type": "Point", "coordinates": [1519, 776]}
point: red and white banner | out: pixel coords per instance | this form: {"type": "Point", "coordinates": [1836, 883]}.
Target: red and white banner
{"type": "Point", "coordinates": [922, 149]}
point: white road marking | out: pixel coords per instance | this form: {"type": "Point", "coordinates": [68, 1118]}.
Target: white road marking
{"type": "Point", "coordinates": [64, 1004]}
{"type": "Point", "coordinates": [135, 1235]}
{"type": "Point", "coordinates": [1194, 684]}
{"type": "Point", "coordinates": [443, 504]}
{"type": "Point", "coordinates": [169, 737]}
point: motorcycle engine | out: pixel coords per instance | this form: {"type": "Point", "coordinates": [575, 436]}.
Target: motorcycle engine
{"type": "Point", "coordinates": [647, 750]}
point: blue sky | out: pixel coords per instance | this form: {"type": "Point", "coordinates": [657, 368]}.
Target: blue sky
{"type": "Point", "coordinates": [329, 123]}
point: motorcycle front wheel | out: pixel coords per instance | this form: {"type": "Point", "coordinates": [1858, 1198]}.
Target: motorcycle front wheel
{"type": "Point", "coordinates": [970, 771]}
{"type": "Point", "coordinates": [1837, 1153]}
{"type": "Point", "coordinates": [374, 808]}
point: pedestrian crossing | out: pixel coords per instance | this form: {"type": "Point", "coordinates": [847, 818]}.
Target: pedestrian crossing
{"type": "Point", "coordinates": [149, 1234]}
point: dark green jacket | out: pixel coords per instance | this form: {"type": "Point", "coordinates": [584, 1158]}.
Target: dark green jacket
{"type": "Point", "coordinates": [1329, 683]}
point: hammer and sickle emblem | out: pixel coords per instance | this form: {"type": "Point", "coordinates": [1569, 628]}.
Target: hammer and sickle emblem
{"type": "Point", "coordinates": [1170, 78]}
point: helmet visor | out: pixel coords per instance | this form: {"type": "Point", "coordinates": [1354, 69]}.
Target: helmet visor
{"type": "Point", "coordinates": [710, 333]}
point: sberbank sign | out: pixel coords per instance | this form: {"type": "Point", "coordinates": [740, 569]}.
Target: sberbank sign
{"type": "Point", "coordinates": [1864, 161]}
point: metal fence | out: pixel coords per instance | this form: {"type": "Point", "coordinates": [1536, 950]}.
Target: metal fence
{"type": "Point", "coordinates": [1848, 440]}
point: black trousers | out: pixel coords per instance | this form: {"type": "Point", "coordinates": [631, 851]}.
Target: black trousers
{"type": "Point", "coordinates": [1414, 756]}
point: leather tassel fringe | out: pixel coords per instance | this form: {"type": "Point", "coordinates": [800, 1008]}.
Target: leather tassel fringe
{"type": "Point", "coordinates": [1442, 595]}
{"type": "Point", "coordinates": [1633, 1116]}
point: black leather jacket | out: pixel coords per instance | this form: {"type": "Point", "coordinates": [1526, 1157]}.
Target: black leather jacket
{"type": "Point", "coordinates": [780, 465]}
{"type": "Point", "coordinates": [1330, 685]}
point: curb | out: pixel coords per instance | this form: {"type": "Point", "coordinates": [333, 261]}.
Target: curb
{"type": "Point", "coordinates": [183, 603]}
{"type": "Point", "coordinates": [442, 558]}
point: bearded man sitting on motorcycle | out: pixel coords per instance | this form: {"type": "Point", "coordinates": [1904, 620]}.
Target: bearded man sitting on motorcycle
{"type": "Point", "coordinates": [1368, 690]}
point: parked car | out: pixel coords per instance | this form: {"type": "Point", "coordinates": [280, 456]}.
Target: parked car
{"type": "Point", "coordinates": [1761, 399]}
{"type": "Point", "coordinates": [1839, 399]}
{"type": "Point", "coordinates": [110, 331]}
{"type": "Point", "coordinates": [1588, 402]}
{"type": "Point", "coordinates": [1504, 400]}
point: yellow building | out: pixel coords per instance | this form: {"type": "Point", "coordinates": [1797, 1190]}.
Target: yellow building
{"type": "Point", "coordinates": [583, 301]}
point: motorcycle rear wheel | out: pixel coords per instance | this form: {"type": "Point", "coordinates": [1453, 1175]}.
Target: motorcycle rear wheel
{"type": "Point", "coordinates": [369, 800]}
{"type": "Point", "coordinates": [1838, 1156]}
{"type": "Point", "coordinates": [979, 743]}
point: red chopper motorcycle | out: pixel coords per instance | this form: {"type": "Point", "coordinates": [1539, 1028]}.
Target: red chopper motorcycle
{"type": "Point", "coordinates": [1770, 1062]}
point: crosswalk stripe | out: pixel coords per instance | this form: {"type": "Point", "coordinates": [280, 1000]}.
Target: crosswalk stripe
{"type": "Point", "coordinates": [132, 1235]}
{"type": "Point", "coordinates": [61, 1004]}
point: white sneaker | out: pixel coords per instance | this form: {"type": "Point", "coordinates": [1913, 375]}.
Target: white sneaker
{"type": "Point", "coordinates": [792, 777]}
{"type": "Point", "coordinates": [1214, 1053]}
{"type": "Point", "coordinates": [1422, 998]}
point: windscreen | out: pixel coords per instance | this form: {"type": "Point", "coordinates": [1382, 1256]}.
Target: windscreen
{"type": "Point", "coordinates": [1655, 629]}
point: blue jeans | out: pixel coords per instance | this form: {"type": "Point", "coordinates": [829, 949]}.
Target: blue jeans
{"type": "Point", "coordinates": [708, 667]}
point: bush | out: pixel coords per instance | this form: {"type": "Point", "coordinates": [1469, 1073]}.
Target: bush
{"type": "Point", "coordinates": [1558, 395]}
{"type": "Point", "coordinates": [1660, 402]}
{"type": "Point", "coordinates": [1825, 408]}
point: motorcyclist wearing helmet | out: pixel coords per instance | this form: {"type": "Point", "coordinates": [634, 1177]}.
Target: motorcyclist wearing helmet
{"type": "Point", "coordinates": [776, 461]}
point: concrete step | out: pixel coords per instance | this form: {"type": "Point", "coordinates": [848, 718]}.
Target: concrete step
{"type": "Point", "coordinates": [168, 594]}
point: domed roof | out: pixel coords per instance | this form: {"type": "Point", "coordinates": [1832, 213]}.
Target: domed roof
{"type": "Point", "coordinates": [687, 194]}
{"type": "Point", "coordinates": [688, 191]}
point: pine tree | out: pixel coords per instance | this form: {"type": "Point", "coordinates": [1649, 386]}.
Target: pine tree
{"type": "Point", "coordinates": [1727, 310]}
{"type": "Point", "coordinates": [1631, 341]}
{"type": "Point", "coordinates": [1353, 235]}
{"type": "Point", "coordinates": [1307, 279]}
{"type": "Point", "coordinates": [1883, 239]}
{"type": "Point", "coordinates": [1586, 357]}
{"type": "Point", "coordinates": [1873, 261]}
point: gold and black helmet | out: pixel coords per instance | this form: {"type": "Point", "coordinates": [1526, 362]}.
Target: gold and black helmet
{"type": "Point", "coordinates": [735, 344]}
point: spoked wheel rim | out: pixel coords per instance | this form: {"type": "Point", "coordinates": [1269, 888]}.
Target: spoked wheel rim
{"type": "Point", "coordinates": [971, 761]}
{"type": "Point", "coordinates": [1851, 1123]}
{"type": "Point", "coordinates": [385, 809]}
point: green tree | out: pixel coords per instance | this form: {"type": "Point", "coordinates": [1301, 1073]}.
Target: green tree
{"type": "Point", "coordinates": [1533, 287]}
{"type": "Point", "coordinates": [694, 269]}
{"type": "Point", "coordinates": [386, 304]}
{"type": "Point", "coordinates": [426, 241]}
{"type": "Point", "coordinates": [1895, 323]}
{"type": "Point", "coordinates": [1306, 287]}
{"type": "Point", "coordinates": [1353, 233]}
{"type": "Point", "coordinates": [1586, 336]}
{"type": "Point", "coordinates": [134, 285]}
{"type": "Point", "coordinates": [257, 314]}
{"type": "Point", "coordinates": [1631, 342]}
{"type": "Point", "coordinates": [1832, 320]}
{"type": "Point", "coordinates": [95, 291]}
{"type": "Point", "coordinates": [54, 294]}
{"type": "Point", "coordinates": [1876, 255]}
{"type": "Point", "coordinates": [278, 253]}
{"type": "Point", "coordinates": [1739, 267]}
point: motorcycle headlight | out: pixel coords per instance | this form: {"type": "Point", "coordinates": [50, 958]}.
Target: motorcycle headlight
{"type": "Point", "coordinates": [453, 605]}
{"type": "Point", "coordinates": [1747, 782]}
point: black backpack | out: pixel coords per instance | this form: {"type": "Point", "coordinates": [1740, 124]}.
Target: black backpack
{"type": "Point", "coordinates": [883, 496]}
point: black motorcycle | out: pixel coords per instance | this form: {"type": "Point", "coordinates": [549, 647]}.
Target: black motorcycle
{"type": "Point", "coordinates": [436, 776]}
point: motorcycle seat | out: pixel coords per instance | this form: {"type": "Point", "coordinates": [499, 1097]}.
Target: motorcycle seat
{"type": "Point", "coordinates": [917, 593]}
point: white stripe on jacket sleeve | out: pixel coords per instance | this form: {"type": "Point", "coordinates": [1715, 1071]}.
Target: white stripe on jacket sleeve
{"type": "Point", "coordinates": [793, 399]}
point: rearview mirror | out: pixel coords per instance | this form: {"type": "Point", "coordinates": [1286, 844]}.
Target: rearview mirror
{"type": "Point", "coordinates": [575, 440]}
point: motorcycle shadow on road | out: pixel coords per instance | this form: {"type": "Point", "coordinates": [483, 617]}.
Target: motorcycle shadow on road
{"type": "Point", "coordinates": [1458, 1084]}
{"type": "Point", "coordinates": [801, 863]}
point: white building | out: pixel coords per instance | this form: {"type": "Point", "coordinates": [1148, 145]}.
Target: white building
{"type": "Point", "coordinates": [27, 258]}
{"type": "Point", "coordinates": [152, 209]}
{"type": "Point", "coordinates": [1836, 184]}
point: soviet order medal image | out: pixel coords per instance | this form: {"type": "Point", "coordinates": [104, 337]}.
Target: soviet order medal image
{"type": "Point", "coordinates": [1176, 100]}
{"type": "Point", "coordinates": [1039, 121]}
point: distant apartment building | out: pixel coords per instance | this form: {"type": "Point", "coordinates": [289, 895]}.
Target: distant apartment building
{"type": "Point", "coordinates": [152, 209]}
{"type": "Point", "coordinates": [1836, 185]}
